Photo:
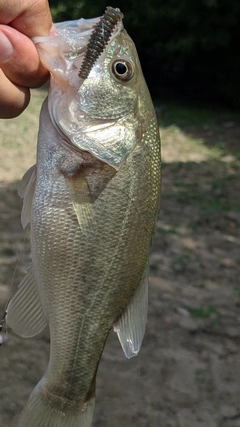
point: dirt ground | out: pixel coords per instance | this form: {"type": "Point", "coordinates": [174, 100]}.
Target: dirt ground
{"type": "Point", "coordinates": [188, 370]}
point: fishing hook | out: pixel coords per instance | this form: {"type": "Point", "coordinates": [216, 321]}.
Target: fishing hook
{"type": "Point", "coordinates": [2, 322]}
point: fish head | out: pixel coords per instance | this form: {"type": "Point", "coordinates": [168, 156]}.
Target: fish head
{"type": "Point", "coordinates": [110, 91]}
{"type": "Point", "coordinates": [102, 113]}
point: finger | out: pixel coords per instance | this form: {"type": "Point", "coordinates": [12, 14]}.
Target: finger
{"type": "Point", "coordinates": [19, 59]}
{"type": "Point", "coordinates": [32, 18]}
{"type": "Point", "coordinates": [13, 100]}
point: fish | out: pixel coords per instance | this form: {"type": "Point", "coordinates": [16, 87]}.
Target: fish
{"type": "Point", "coordinates": [91, 201]}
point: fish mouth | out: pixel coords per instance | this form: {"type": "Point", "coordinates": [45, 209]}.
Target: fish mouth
{"type": "Point", "coordinates": [99, 39]}
{"type": "Point", "coordinates": [78, 45]}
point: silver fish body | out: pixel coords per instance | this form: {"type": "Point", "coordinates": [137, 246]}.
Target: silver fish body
{"type": "Point", "coordinates": [92, 207]}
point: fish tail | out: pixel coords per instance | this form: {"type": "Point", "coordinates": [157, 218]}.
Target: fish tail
{"type": "Point", "coordinates": [41, 412]}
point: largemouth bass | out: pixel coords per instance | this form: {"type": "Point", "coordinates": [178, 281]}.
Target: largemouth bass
{"type": "Point", "coordinates": [91, 201]}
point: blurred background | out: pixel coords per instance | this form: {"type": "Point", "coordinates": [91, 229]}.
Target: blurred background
{"type": "Point", "coordinates": [188, 370]}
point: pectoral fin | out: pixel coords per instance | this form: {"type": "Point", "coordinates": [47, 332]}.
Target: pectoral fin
{"type": "Point", "coordinates": [98, 179]}
{"type": "Point", "coordinates": [26, 192]}
{"type": "Point", "coordinates": [81, 199]}
{"type": "Point", "coordinates": [130, 328]}
{"type": "Point", "coordinates": [84, 189]}
{"type": "Point", "coordinates": [24, 312]}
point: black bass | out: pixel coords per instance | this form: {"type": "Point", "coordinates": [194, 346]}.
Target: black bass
{"type": "Point", "coordinates": [91, 201]}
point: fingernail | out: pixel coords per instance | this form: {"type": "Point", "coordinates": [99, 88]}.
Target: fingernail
{"type": "Point", "coordinates": [6, 48]}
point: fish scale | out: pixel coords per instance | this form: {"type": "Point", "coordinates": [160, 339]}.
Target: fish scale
{"type": "Point", "coordinates": [93, 210]}
{"type": "Point", "coordinates": [84, 251]}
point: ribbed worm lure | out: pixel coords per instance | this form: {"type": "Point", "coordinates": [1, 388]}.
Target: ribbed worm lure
{"type": "Point", "coordinates": [99, 39]}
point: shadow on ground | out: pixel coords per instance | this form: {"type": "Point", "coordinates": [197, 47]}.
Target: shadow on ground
{"type": "Point", "coordinates": [213, 127]}
{"type": "Point", "coordinates": [187, 374]}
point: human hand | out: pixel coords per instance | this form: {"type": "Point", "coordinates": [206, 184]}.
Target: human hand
{"type": "Point", "coordinates": [20, 67]}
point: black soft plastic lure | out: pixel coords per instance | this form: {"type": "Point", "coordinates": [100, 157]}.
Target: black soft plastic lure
{"type": "Point", "coordinates": [99, 39]}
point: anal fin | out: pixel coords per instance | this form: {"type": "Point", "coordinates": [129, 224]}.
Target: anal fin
{"type": "Point", "coordinates": [24, 312]}
{"type": "Point", "coordinates": [130, 328]}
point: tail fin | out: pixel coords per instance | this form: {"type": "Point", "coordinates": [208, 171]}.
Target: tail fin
{"type": "Point", "coordinates": [39, 412]}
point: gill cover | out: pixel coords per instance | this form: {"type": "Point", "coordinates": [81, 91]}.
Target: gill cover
{"type": "Point", "coordinates": [98, 113]}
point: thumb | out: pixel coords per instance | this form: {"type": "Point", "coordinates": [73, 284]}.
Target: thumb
{"type": "Point", "coordinates": [19, 59]}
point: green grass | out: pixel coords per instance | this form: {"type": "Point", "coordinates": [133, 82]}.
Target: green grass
{"type": "Point", "coordinates": [203, 312]}
{"type": "Point", "coordinates": [18, 139]}
{"type": "Point", "coordinates": [200, 153]}
{"type": "Point", "coordinates": [166, 230]}
{"type": "Point", "coordinates": [204, 129]}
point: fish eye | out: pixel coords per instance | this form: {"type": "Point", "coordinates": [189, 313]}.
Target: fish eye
{"type": "Point", "coordinates": [123, 70]}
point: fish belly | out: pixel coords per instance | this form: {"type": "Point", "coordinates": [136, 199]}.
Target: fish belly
{"type": "Point", "coordinates": [89, 254]}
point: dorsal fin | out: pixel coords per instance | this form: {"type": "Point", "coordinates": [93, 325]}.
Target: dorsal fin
{"type": "Point", "coordinates": [26, 192]}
